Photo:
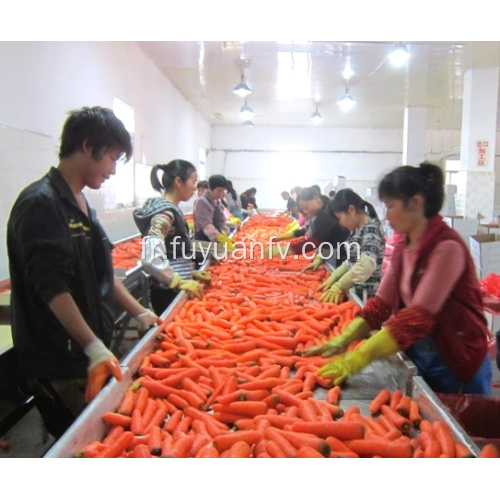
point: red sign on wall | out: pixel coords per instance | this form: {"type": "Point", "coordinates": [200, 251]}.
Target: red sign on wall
{"type": "Point", "coordinates": [482, 151]}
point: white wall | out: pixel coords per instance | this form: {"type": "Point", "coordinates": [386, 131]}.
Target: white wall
{"type": "Point", "coordinates": [41, 81]}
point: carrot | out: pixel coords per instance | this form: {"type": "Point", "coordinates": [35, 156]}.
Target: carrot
{"type": "Point", "coordinates": [389, 449]}
{"type": "Point", "coordinates": [414, 415]}
{"type": "Point", "coordinates": [489, 450]}
{"type": "Point", "coordinates": [333, 395]}
{"type": "Point", "coordinates": [274, 450]}
{"type": "Point", "coordinates": [431, 447]}
{"type": "Point", "coordinates": [307, 411]}
{"type": "Point", "coordinates": [127, 404]}
{"type": "Point", "coordinates": [308, 452]}
{"type": "Point", "coordinates": [208, 451]}
{"type": "Point", "coordinates": [241, 449]}
{"type": "Point", "coordinates": [115, 449]}
{"type": "Point", "coordinates": [181, 447]}
{"type": "Point", "coordinates": [339, 429]}
{"type": "Point", "coordinates": [154, 388]}
{"type": "Point", "coordinates": [141, 396]}
{"type": "Point", "coordinates": [177, 401]}
{"type": "Point", "coordinates": [336, 445]}
{"type": "Point", "coordinates": [113, 418]}
{"type": "Point", "coordinates": [402, 423]}
{"type": "Point", "coordinates": [445, 438]}
{"type": "Point", "coordinates": [395, 398]}
{"type": "Point", "coordinates": [91, 450]}
{"type": "Point", "coordinates": [225, 441]}
{"type": "Point", "coordinates": [141, 451]}
{"type": "Point", "coordinates": [285, 446]}
{"type": "Point", "coordinates": [382, 398]}
{"type": "Point", "coordinates": [403, 407]}
{"type": "Point", "coordinates": [136, 423]}
{"type": "Point", "coordinates": [248, 408]}
{"type": "Point", "coordinates": [156, 420]}
{"type": "Point", "coordinates": [173, 421]}
{"type": "Point", "coordinates": [300, 439]}
{"type": "Point", "coordinates": [154, 441]}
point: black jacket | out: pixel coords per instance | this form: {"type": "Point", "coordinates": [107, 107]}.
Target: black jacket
{"type": "Point", "coordinates": [54, 248]}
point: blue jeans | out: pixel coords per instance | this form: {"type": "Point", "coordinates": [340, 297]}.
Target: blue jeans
{"type": "Point", "coordinates": [439, 377]}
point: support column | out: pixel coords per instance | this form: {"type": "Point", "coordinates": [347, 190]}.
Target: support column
{"type": "Point", "coordinates": [415, 122]}
{"type": "Point", "coordinates": [478, 140]}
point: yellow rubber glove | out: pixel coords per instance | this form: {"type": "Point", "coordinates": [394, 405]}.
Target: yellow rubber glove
{"type": "Point", "coordinates": [378, 346]}
{"type": "Point", "coordinates": [202, 276]}
{"type": "Point", "coordinates": [102, 365]}
{"type": "Point", "coordinates": [335, 295]}
{"type": "Point", "coordinates": [334, 276]}
{"type": "Point", "coordinates": [223, 239]}
{"type": "Point", "coordinates": [235, 221]}
{"type": "Point", "coordinates": [357, 329]}
{"type": "Point", "coordinates": [314, 265]}
{"type": "Point", "coordinates": [191, 286]}
{"type": "Point", "coordinates": [293, 226]}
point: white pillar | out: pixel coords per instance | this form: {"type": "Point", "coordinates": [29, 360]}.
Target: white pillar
{"type": "Point", "coordinates": [478, 140]}
{"type": "Point", "coordinates": [415, 122]}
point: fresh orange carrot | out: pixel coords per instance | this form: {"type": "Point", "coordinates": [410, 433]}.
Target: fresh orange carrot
{"type": "Point", "coordinates": [389, 449]}
{"type": "Point", "coordinates": [247, 408]}
{"type": "Point", "coordinates": [445, 438]}
{"type": "Point", "coordinates": [414, 415]}
{"type": "Point", "coordinates": [178, 401]}
{"type": "Point", "coordinates": [208, 451]}
{"type": "Point", "coordinates": [382, 398]}
{"type": "Point", "coordinates": [154, 441]}
{"type": "Point", "coordinates": [127, 404]}
{"type": "Point", "coordinates": [116, 448]}
{"type": "Point", "coordinates": [336, 445]}
{"type": "Point", "coordinates": [287, 448]}
{"type": "Point", "coordinates": [141, 396]}
{"type": "Point", "coordinates": [274, 450]}
{"type": "Point", "coordinates": [157, 419]}
{"type": "Point", "coordinates": [307, 411]}
{"type": "Point", "coordinates": [333, 395]}
{"type": "Point", "coordinates": [180, 447]}
{"type": "Point", "coordinates": [308, 452]}
{"type": "Point", "coordinates": [113, 418]}
{"type": "Point", "coordinates": [402, 423]}
{"type": "Point", "coordinates": [403, 407]}
{"type": "Point", "coordinates": [241, 449]}
{"type": "Point", "coordinates": [430, 445]}
{"type": "Point", "coordinates": [339, 429]}
{"type": "Point", "coordinates": [395, 398]}
{"type": "Point", "coordinates": [91, 450]}
{"type": "Point", "coordinates": [136, 423]}
{"type": "Point", "coordinates": [141, 451]}
{"type": "Point", "coordinates": [225, 441]}
{"type": "Point", "coordinates": [300, 439]}
{"type": "Point", "coordinates": [489, 450]}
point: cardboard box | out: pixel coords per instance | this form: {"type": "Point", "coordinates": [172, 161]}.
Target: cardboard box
{"type": "Point", "coordinates": [463, 225]}
{"type": "Point", "coordinates": [485, 252]}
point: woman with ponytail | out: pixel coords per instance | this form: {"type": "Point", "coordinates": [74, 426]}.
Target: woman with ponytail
{"type": "Point", "coordinates": [429, 303]}
{"type": "Point", "coordinates": [167, 253]}
{"type": "Point", "coordinates": [365, 248]}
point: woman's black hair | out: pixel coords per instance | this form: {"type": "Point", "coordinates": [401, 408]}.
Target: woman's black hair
{"type": "Point", "coordinates": [231, 190]}
{"type": "Point", "coordinates": [176, 168]}
{"type": "Point", "coordinates": [202, 184]}
{"type": "Point", "coordinates": [406, 181]}
{"type": "Point", "coordinates": [308, 193]}
{"type": "Point", "coordinates": [346, 197]}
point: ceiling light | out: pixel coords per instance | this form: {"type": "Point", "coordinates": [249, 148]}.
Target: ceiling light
{"type": "Point", "coordinates": [399, 55]}
{"type": "Point", "coordinates": [346, 102]}
{"type": "Point", "coordinates": [242, 89]}
{"type": "Point", "coordinates": [316, 117]}
{"type": "Point", "coordinates": [246, 112]}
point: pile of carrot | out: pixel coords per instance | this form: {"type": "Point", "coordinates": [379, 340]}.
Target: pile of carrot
{"type": "Point", "coordinates": [127, 255]}
{"type": "Point", "coordinates": [226, 379]}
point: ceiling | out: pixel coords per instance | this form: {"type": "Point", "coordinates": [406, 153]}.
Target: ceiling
{"type": "Point", "coordinates": [309, 74]}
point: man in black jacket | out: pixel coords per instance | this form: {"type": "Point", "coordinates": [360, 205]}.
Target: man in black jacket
{"type": "Point", "coordinates": [61, 274]}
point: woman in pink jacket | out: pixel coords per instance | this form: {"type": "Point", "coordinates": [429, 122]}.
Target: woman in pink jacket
{"type": "Point", "coordinates": [429, 303]}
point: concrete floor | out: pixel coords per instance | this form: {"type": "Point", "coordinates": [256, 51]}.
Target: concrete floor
{"type": "Point", "coordinates": [29, 439]}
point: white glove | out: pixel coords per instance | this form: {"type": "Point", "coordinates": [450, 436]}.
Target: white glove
{"type": "Point", "coordinates": [146, 320]}
{"type": "Point", "coordinates": [97, 352]}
